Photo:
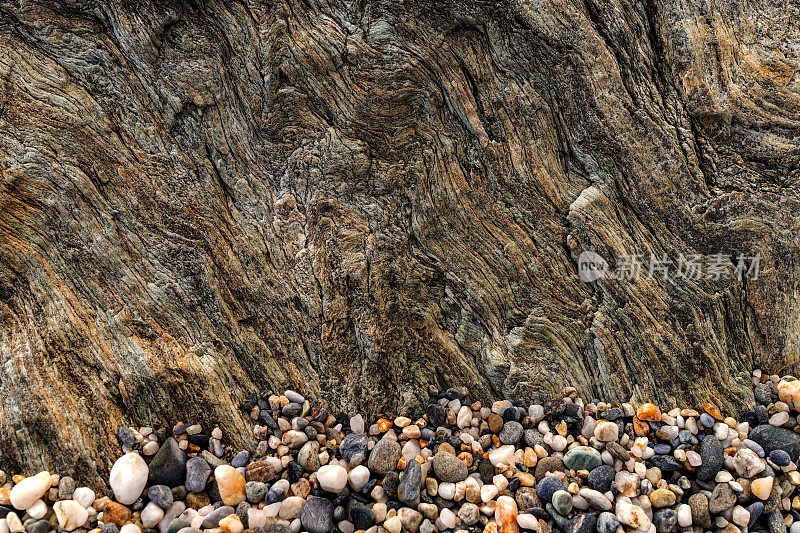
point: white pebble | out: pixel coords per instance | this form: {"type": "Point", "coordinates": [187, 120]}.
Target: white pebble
{"type": "Point", "coordinates": [26, 492]}
{"type": "Point", "coordinates": [332, 478]}
{"type": "Point", "coordinates": [70, 514]}
{"type": "Point", "coordinates": [84, 496]}
{"type": "Point", "coordinates": [128, 478]}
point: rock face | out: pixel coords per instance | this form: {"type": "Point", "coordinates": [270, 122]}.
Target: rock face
{"type": "Point", "coordinates": [200, 203]}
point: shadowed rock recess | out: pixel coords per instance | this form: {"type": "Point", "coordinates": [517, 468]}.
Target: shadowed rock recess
{"type": "Point", "coordinates": [361, 199]}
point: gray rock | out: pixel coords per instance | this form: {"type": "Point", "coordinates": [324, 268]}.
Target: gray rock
{"type": "Point", "coordinates": [722, 499]}
{"type": "Point", "coordinates": [256, 491]}
{"type": "Point", "coordinates": [160, 495]}
{"type": "Point", "coordinates": [581, 523]}
{"type": "Point", "coordinates": [449, 468]}
{"type": "Point", "coordinates": [700, 513]}
{"type": "Point", "coordinates": [66, 486]}
{"type": "Point", "coordinates": [317, 515]}
{"type": "Point", "coordinates": [354, 449]}
{"type": "Point", "coordinates": [775, 523]}
{"type": "Point", "coordinates": [712, 454]}
{"type": "Point", "coordinates": [600, 478]}
{"type": "Point", "coordinates": [665, 520]}
{"type": "Point", "coordinates": [777, 438]}
{"type": "Point", "coordinates": [168, 466]}
{"type": "Point", "coordinates": [511, 432]}
{"type": "Point", "coordinates": [212, 519]}
{"type": "Point", "coordinates": [197, 472]}
{"type": "Point", "coordinates": [607, 523]}
{"type": "Point", "coordinates": [240, 459]}
{"type": "Point", "coordinates": [410, 484]}
{"type": "Point", "coordinates": [384, 456]}
{"type": "Point", "coordinates": [362, 516]}
{"type": "Point", "coordinates": [308, 456]}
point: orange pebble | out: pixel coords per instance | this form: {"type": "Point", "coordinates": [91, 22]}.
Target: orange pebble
{"type": "Point", "coordinates": [384, 425]}
{"type": "Point", "coordinates": [466, 458]}
{"type": "Point", "coordinates": [711, 409]}
{"type": "Point", "coordinates": [649, 412]}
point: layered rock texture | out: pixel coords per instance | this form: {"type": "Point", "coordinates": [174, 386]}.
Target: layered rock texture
{"type": "Point", "coordinates": [359, 199]}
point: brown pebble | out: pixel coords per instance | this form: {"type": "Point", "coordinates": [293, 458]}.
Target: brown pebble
{"type": "Point", "coordinates": [549, 464]}
{"type": "Point", "coordinates": [711, 409]}
{"type": "Point", "coordinates": [640, 427]}
{"type": "Point", "coordinates": [116, 513]}
{"type": "Point", "coordinates": [648, 412]}
{"type": "Point", "coordinates": [446, 447]}
{"type": "Point", "coordinates": [495, 422]}
{"type": "Point", "coordinates": [197, 500]}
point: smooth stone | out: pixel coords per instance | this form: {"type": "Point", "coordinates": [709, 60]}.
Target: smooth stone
{"type": "Point", "coordinates": [130, 528]}
{"type": "Point", "coordinates": [308, 456]}
{"type": "Point", "coordinates": [197, 472]}
{"type": "Point", "coordinates": [511, 433]}
{"type": "Point", "coordinates": [662, 498]}
{"type": "Point", "coordinates": [528, 521]}
{"type": "Point", "coordinates": [40, 526]}
{"type": "Point", "coordinates": [354, 448]}
{"type": "Point", "coordinates": [775, 522]}
{"type": "Point", "coordinates": [151, 515]}
{"type": "Point", "coordinates": [230, 483]}
{"type": "Point", "coordinates": [66, 487]}
{"type": "Point", "coordinates": [211, 520]}
{"type": "Point", "coordinates": [437, 416]}
{"type": "Point", "coordinates": [160, 495]}
{"type": "Point", "coordinates": [600, 478]}
{"type": "Point", "coordinates": [502, 455]}
{"type": "Point", "coordinates": [83, 495]}
{"type": "Point", "coordinates": [582, 458]}
{"type": "Point", "coordinates": [505, 515]}
{"type": "Point", "coordinates": [38, 509]}
{"type": "Point", "coordinates": [775, 438]}
{"type": "Point", "coordinates": [332, 478]}
{"type": "Point", "coordinates": [762, 487]}
{"type": "Point", "coordinates": [595, 499]}
{"type": "Point", "coordinates": [128, 478]}
{"type": "Point", "coordinates": [747, 462]}
{"type": "Point", "coordinates": [449, 468]}
{"type": "Point", "coordinates": [712, 454]}
{"type": "Point", "coordinates": [384, 456]}
{"type": "Point", "coordinates": [26, 492]}
{"type": "Point", "coordinates": [780, 457]}
{"type": "Point", "coordinates": [606, 431]}
{"type": "Point", "coordinates": [358, 477]}
{"type": "Point", "coordinates": [547, 487]}
{"type": "Point", "coordinates": [410, 483]}
{"type": "Point", "coordinates": [240, 459]}
{"type": "Point", "coordinates": [684, 513]}
{"type": "Point", "coordinates": [755, 509]}
{"type": "Point", "coordinates": [548, 464]}
{"type": "Point", "coordinates": [168, 466]}
{"type": "Point", "coordinates": [70, 514]}
{"type": "Point", "coordinates": [562, 501]}
{"type": "Point", "coordinates": [316, 515]}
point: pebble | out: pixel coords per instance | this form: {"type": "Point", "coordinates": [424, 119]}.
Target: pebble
{"type": "Point", "coordinates": [449, 468]}
{"type": "Point", "coordinates": [168, 466]}
{"type": "Point", "coordinates": [607, 523]}
{"type": "Point", "coordinates": [332, 478]}
{"type": "Point", "coordinates": [606, 431]}
{"type": "Point", "coordinates": [774, 438]}
{"type": "Point", "coordinates": [410, 484]}
{"type": "Point", "coordinates": [762, 487]}
{"type": "Point", "coordinates": [562, 501]}
{"type": "Point", "coordinates": [230, 483]}
{"type": "Point", "coordinates": [70, 514]}
{"type": "Point", "coordinates": [632, 515]}
{"type": "Point", "coordinates": [699, 507]}
{"type": "Point", "coordinates": [26, 492]}
{"type": "Point", "coordinates": [84, 496]}
{"type": "Point", "coordinates": [197, 472]}
{"type": "Point", "coordinates": [711, 454]}
{"type": "Point", "coordinates": [582, 458]}
{"type": "Point", "coordinates": [511, 433]}
{"type": "Point", "coordinates": [547, 487]}
{"type": "Point", "coordinates": [384, 456]}
{"type": "Point", "coordinates": [128, 478]}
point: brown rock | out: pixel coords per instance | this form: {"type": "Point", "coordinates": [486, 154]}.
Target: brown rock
{"type": "Point", "coordinates": [495, 422]}
{"type": "Point", "coordinates": [262, 471]}
{"type": "Point", "coordinates": [116, 513]}
{"type": "Point", "coordinates": [549, 464]}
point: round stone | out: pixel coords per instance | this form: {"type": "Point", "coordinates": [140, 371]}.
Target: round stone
{"type": "Point", "coordinates": [332, 478]}
{"type": "Point", "coordinates": [665, 520]}
{"type": "Point", "coordinates": [600, 478]}
{"type": "Point", "coordinates": [780, 457]}
{"type": "Point", "coordinates": [384, 456]}
{"type": "Point", "coordinates": [662, 498]}
{"type": "Point", "coordinates": [562, 501]}
{"type": "Point", "coordinates": [84, 496]}
{"type": "Point", "coordinates": [511, 433]}
{"type": "Point", "coordinates": [449, 468]}
{"type": "Point", "coordinates": [70, 514]}
{"type": "Point", "coordinates": [547, 487]}
{"type": "Point", "coordinates": [606, 431]}
{"type": "Point", "coordinates": [160, 495]}
{"type": "Point", "coordinates": [128, 478]}
{"type": "Point", "coordinates": [359, 477]}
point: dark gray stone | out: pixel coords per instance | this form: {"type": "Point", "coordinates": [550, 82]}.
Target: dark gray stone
{"type": "Point", "coordinates": [410, 484]}
{"type": "Point", "coordinates": [317, 515]}
{"type": "Point", "coordinates": [775, 438]}
{"type": "Point", "coordinates": [712, 454]}
{"type": "Point", "coordinates": [197, 472]}
{"type": "Point", "coordinates": [160, 495]}
{"type": "Point", "coordinates": [168, 466]}
{"type": "Point", "coordinates": [354, 449]}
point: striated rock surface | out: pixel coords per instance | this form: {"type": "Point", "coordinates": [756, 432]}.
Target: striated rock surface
{"type": "Point", "coordinates": [202, 200]}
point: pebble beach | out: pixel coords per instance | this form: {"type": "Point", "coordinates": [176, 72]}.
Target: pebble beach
{"type": "Point", "coordinates": [570, 465]}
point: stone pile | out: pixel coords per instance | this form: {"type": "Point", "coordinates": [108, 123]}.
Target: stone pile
{"type": "Point", "coordinates": [568, 465]}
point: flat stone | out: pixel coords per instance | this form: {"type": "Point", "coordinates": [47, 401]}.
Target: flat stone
{"type": "Point", "coordinates": [722, 499]}
{"type": "Point", "coordinates": [662, 498]}
{"type": "Point", "coordinates": [308, 456]}
{"type": "Point", "coordinates": [562, 501]}
{"type": "Point", "coordinates": [547, 487]}
{"type": "Point", "coordinates": [775, 438]}
{"type": "Point", "coordinates": [548, 464]}
{"type": "Point", "coordinates": [316, 515]}
{"type": "Point", "coordinates": [582, 458]}
{"type": "Point", "coordinates": [212, 519]}
{"type": "Point", "coordinates": [168, 466]}
{"type": "Point", "coordinates": [160, 495]}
